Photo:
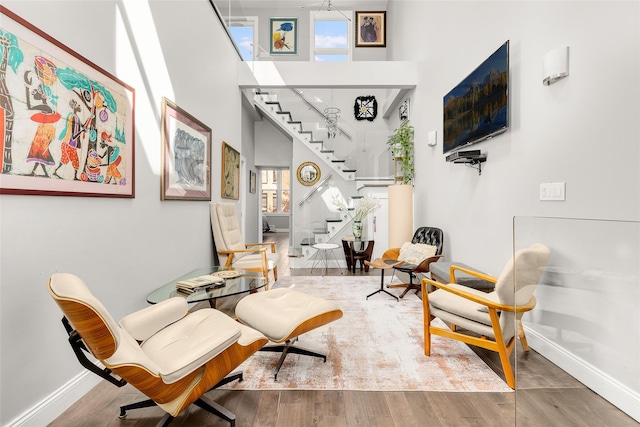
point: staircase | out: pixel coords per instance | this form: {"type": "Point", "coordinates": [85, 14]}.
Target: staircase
{"type": "Point", "coordinates": [271, 107]}
{"type": "Point", "coordinates": [333, 227]}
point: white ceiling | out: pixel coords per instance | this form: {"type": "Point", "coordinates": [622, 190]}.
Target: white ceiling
{"type": "Point", "coordinates": [370, 5]}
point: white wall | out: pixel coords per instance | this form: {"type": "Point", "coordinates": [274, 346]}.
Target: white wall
{"type": "Point", "coordinates": [582, 130]}
{"type": "Point", "coordinates": [122, 248]}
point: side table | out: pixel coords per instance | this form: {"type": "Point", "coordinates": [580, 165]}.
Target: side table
{"type": "Point", "coordinates": [382, 265]}
{"type": "Point", "coordinates": [322, 255]}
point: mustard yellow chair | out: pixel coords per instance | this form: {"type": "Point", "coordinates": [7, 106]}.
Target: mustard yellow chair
{"type": "Point", "coordinates": [487, 320]}
{"type": "Point", "coordinates": [170, 355]}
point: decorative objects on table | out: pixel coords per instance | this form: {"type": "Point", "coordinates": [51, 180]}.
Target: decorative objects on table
{"type": "Point", "coordinates": [371, 29]}
{"type": "Point", "coordinates": [77, 119]}
{"type": "Point", "coordinates": [230, 172]}
{"type": "Point", "coordinates": [365, 108]}
{"type": "Point", "coordinates": [401, 147]}
{"type": "Point", "coordinates": [186, 154]}
{"type": "Point", "coordinates": [308, 173]}
{"type": "Point", "coordinates": [356, 229]}
{"type": "Point", "coordinates": [284, 36]}
{"type": "Point", "coordinates": [362, 207]}
{"type": "Point", "coordinates": [252, 182]}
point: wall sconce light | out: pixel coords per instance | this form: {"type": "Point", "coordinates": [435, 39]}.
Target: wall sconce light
{"type": "Point", "coordinates": [556, 65]}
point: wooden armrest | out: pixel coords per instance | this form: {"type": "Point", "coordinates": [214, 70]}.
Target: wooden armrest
{"type": "Point", "coordinates": [453, 268]}
{"type": "Point", "coordinates": [423, 267]}
{"type": "Point", "coordinates": [233, 251]}
{"type": "Point", "coordinates": [272, 244]}
{"type": "Point", "coordinates": [392, 253]}
{"type": "Point", "coordinates": [481, 300]}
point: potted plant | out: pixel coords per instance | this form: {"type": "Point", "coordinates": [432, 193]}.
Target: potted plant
{"type": "Point", "coordinates": [401, 147]}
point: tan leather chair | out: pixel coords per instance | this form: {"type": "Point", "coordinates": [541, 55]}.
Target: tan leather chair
{"type": "Point", "coordinates": [233, 251]}
{"type": "Point", "coordinates": [493, 319]}
{"type": "Point", "coordinates": [170, 355]}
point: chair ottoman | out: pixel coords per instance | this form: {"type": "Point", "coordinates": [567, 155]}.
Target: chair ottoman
{"type": "Point", "coordinates": [284, 314]}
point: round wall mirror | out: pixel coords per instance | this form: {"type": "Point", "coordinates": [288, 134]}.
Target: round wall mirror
{"type": "Point", "coordinates": [308, 173]}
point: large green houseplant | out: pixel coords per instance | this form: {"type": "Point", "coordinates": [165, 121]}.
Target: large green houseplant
{"type": "Point", "coordinates": [401, 147]}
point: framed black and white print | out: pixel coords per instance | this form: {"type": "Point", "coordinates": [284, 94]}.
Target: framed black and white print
{"type": "Point", "coordinates": [403, 110]}
{"type": "Point", "coordinates": [365, 108]}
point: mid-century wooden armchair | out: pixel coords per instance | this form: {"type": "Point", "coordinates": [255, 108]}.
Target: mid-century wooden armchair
{"type": "Point", "coordinates": [230, 245]}
{"type": "Point", "coordinates": [487, 320]}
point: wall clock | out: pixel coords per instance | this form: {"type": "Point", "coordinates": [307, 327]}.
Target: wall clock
{"type": "Point", "coordinates": [365, 108]}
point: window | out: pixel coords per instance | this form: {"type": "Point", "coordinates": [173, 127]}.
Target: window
{"type": "Point", "coordinates": [244, 31]}
{"type": "Point", "coordinates": [331, 36]}
{"type": "Point", "coordinates": [275, 190]}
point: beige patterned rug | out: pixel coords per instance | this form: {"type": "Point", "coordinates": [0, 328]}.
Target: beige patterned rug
{"type": "Point", "coordinates": [376, 345]}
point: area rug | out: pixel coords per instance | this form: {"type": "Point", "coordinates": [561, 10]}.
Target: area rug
{"type": "Point", "coordinates": [377, 345]}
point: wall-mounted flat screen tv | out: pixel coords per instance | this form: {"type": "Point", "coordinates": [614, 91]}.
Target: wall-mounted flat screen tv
{"type": "Point", "coordinates": [478, 107]}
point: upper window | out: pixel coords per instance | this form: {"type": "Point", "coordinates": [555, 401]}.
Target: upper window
{"type": "Point", "coordinates": [244, 32]}
{"type": "Point", "coordinates": [331, 36]}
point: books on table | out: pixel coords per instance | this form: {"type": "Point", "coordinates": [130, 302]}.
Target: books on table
{"type": "Point", "coordinates": [201, 282]}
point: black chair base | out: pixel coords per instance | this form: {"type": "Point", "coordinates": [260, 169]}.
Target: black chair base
{"type": "Point", "coordinates": [288, 348]}
{"type": "Point", "coordinates": [209, 406]}
{"type": "Point", "coordinates": [409, 268]}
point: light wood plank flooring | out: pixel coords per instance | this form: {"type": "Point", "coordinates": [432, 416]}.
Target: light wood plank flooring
{"type": "Point", "coordinates": [546, 396]}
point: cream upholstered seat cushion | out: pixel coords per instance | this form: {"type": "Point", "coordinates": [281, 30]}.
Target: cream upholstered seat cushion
{"type": "Point", "coordinates": [467, 313]}
{"type": "Point", "coordinates": [184, 346]}
{"type": "Point", "coordinates": [278, 312]}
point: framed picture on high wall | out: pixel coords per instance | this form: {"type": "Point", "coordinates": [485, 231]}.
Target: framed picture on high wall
{"type": "Point", "coordinates": [66, 125]}
{"type": "Point", "coordinates": [186, 154]}
{"type": "Point", "coordinates": [284, 36]}
{"type": "Point", "coordinates": [230, 172]}
{"type": "Point", "coordinates": [371, 29]}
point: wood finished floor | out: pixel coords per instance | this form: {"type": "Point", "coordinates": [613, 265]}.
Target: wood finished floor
{"type": "Point", "coordinates": [546, 396]}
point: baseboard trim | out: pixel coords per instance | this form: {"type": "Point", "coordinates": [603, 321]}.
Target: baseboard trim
{"type": "Point", "coordinates": [609, 388]}
{"type": "Point", "coordinates": [50, 408]}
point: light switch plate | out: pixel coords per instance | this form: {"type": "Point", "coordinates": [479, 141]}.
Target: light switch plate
{"type": "Point", "coordinates": [553, 191]}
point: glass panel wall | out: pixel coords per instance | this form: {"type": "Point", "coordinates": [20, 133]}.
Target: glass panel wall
{"type": "Point", "coordinates": [585, 328]}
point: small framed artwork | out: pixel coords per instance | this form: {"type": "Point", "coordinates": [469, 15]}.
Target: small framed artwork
{"type": "Point", "coordinates": [230, 172]}
{"type": "Point", "coordinates": [371, 29]}
{"type": "Point", "coordinates": [365, 108]}
{"type": "Point", "coordinates": [403, 110]}
{"type": "Point", "coordinates": [284, 36]}
{"type": "Point", "coordinates": [66, 125]}
{"type": "Point", "coordinates": [252, 182]}
{"type": "Point", "coordinates": [186, 154]}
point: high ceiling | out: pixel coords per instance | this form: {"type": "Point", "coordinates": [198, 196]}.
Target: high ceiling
{"type": "Point", "coordinates": [225, 5]}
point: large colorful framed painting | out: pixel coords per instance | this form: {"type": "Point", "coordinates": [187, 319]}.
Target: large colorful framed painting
{"type": "Point", "coordinates": [284, 36]}
{"type": "Point", "coordinates": [186, 154]}
{"type": "Point", "coordinates": [230, 172]}
{"type": "Point", "coordinates": [66, 125]}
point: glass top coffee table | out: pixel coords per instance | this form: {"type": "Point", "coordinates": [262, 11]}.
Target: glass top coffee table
{"type": "Point", "coordinates": [249, 281]}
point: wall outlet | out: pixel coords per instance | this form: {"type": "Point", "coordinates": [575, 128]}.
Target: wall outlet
{"type": "Point", "coordinates": [553, 191]}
